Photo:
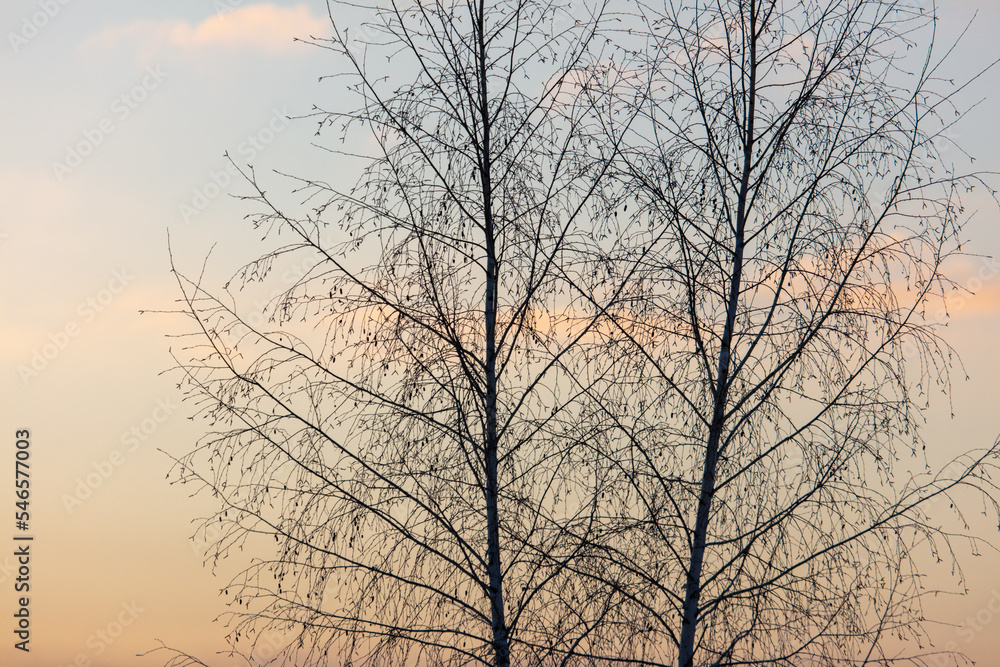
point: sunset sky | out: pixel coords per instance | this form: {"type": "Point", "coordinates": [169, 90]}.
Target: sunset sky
{"type": "Point", "coordinates": [115, 118]}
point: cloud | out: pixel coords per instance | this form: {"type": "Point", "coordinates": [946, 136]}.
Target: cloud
{"type": "Point", "coordinates": [262, 27]}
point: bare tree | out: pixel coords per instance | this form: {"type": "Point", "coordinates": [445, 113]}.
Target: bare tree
{"type": "Point", "coordinates": [497, 422]}
{"type": "Point", "coordinates": [784, 211]}
{"type": "Point", "coordinates": [405, 426]}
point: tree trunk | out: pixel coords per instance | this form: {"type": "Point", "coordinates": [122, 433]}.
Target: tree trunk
{"type": "Point", "coordinates": [501, 646]}
{"type": "Point", "coordinates": [692, 593]}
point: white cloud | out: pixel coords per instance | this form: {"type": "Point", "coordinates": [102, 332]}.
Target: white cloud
{"type": "Point", "coordinates": [263, 27]}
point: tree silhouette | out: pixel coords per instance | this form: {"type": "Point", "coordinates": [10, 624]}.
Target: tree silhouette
{"type": "Point", "coordinates": [614, 354]}
{"type": "Point", "coordinates": [784, 197]}
{"type": "Point", "coordinates": [405, 424]}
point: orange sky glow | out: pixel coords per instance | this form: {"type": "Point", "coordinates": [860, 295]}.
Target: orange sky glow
{"type": "Point", "coordinates": [116, 117]}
